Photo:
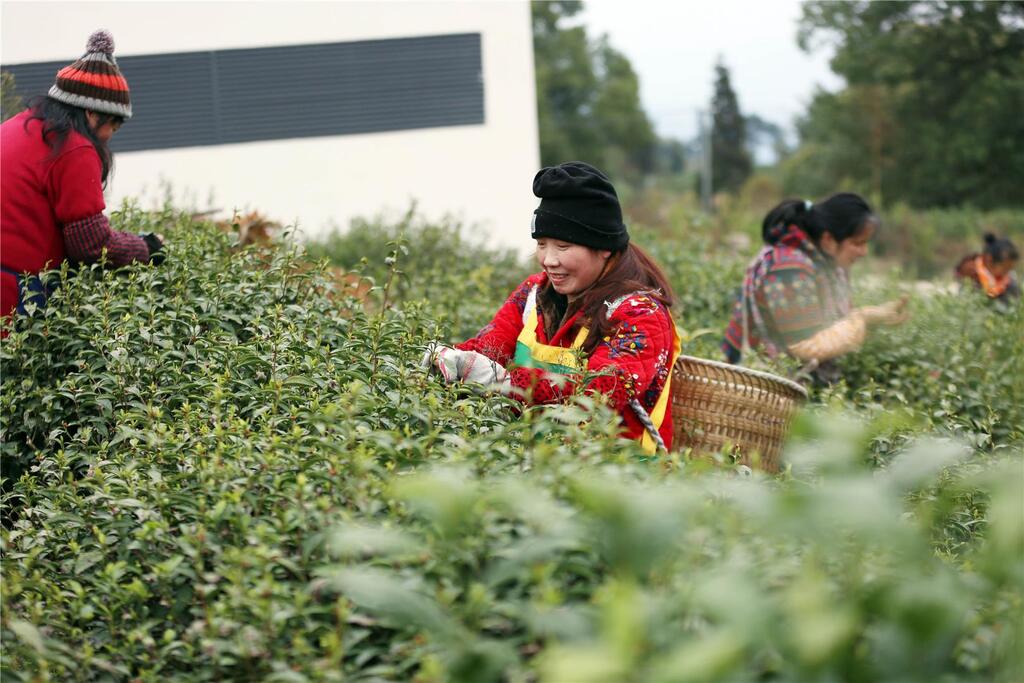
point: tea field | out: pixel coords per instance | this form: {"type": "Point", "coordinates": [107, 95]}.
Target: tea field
{"type": "Point", "coordinates": [226, 468]}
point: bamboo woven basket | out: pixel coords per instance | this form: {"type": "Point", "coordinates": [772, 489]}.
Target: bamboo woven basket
{"type": "Point", "coordinates": [721, 407]}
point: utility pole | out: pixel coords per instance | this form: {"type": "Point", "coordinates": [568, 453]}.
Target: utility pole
{"type": "Point", "coordinates": [704, 123]}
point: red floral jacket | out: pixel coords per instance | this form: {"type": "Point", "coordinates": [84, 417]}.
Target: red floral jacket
{"type": "Point", "coordinates": [636, 355]}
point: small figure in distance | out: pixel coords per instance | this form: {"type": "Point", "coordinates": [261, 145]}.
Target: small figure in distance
{"type": "Point", "coordinates": [991, 271]}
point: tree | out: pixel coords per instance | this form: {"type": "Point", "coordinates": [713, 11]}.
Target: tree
{"type": "Point", "coordinates": [762, 133]}
{"type": "Point", "coordinates": [731, 163]}
{"type": "Point", "coordinates": [670, 156]}
{"type": "Point", "coordinates": [10, 103]}
{"type": "Point", "coordinates": [618, 114]}
{"type": "Point", "coordinates": [566, 83]}
{"type": "Point", "coordinates": [931, 113]}
{"type": "Point", "coordinates": [588, 97]}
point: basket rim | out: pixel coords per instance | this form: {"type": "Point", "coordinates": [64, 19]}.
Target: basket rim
{"type": "Point", "coordinates": [747, 371]}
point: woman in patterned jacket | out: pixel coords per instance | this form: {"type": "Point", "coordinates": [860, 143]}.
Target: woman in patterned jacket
{"type": "Point", "coordinates": [796, 294]}
{"type": "Point", "coordinates": [600, 306]}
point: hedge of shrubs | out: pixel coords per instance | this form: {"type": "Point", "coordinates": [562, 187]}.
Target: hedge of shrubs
{"type": "Point", "coordinates": [224, 469]}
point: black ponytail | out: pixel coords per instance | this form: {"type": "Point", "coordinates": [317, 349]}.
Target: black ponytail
{"type": "Point", "coordinates": [1000, 249]}
{"type": "Point", "coordinates": [788, 212]}
{"type": "Point", "coordinates": [842, 215]}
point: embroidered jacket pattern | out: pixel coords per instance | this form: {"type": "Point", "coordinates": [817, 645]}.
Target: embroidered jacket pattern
{"type": "Point", "coordinates": [633, 358]}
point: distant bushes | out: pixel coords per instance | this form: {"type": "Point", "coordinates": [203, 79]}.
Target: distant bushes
{"type": "Point", "coordinates": [921, 243]}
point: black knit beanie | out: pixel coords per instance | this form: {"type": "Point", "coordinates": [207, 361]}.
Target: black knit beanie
{"type": "Point", "coordinates": [578, 204]}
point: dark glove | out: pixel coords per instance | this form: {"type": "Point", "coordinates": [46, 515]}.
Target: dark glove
{"type": "Point", "coordinates": [155, 246]}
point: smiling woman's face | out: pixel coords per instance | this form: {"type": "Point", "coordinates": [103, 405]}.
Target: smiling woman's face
{"type": "Point", "coordinates": [571, 268]}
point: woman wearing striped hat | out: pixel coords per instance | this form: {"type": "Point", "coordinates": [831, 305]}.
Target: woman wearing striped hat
{"type": "Point", "coordinates": [54, 164]}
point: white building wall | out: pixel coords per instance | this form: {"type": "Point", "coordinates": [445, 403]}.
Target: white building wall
{"type": "Point", "coordinates": [480, 174]}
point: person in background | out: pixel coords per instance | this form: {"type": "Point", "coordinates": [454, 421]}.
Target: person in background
{"type": "Point", "coordinates": [599, 305]}
{"type": "Point", "coordinates": [992, 269]}
{"type": "Point", "coordinates": [54, 165]}
{"type": "Point", "coordinates": [795, 298]}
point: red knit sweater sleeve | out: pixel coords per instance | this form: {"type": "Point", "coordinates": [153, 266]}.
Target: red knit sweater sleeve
{"type": "Point", "coordinates": [633, 361]}
{"type": "Point", "coordinates": [75, 187]}
{"type": "Point", "coordinates": [497, 339]}
{"type": "Point", "coordinates": [86, 239]}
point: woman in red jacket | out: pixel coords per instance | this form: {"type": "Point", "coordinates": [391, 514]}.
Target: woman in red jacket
{"type": "Point", "coordinates": [599, 306]}
{"type": "Point", "coordinates": [54, 164]}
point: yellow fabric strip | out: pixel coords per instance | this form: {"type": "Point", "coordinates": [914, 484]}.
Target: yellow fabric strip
{"type": "Point", "coordinates": [658, 414]}
{"type": "Point", "coordinates": [552, 355]}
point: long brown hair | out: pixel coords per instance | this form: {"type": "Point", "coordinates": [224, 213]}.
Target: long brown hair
{"type": "Point", "coordinates": [629, 270]}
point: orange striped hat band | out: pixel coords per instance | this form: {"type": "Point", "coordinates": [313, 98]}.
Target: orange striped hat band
{"type": "Point", "coordinates": [94, 82]}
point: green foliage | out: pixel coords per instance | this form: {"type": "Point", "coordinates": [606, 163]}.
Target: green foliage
{"type": "Point", "coordinates": [669, 157]}
{"type": "Point", "coordinates": [231, 474]}
{"type": "Point", "coordinates": [762, 133]}
{"type": "Point", "coordinates": [931, 113]}
{"type": "Point", "coordinates": [846, 142]}
{"type": "Point", "coordinates": [10, 102]}
{"type": "Point", "coordinates": [929, 243]}
{"type": "Point", "coordinates": [425, 269]}
{"type": "Point", "coordinates": [588, 97]}
{"type": "Point", "coordinates": [960, 356]}
{"type": "Point", "coordinates": [731, 160]}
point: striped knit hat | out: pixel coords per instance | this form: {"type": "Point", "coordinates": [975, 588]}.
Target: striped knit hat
{"type": "Point", "coordinates": [94, 82]}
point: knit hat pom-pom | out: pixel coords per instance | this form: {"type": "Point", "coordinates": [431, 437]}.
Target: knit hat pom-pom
{"type": "Point", "coordinates": [100, 41]}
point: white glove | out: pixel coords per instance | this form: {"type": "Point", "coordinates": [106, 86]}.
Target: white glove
{"type": "Point", "coordinates": [433, 348]}
{"type": "Point", "coordinates": [476, 367]}
{"type": "Point", "coordinates": [464, 366]}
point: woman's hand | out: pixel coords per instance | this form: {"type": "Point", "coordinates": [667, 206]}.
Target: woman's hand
{"type": "Point", "coordinates": [463, 366]}
{"type": "Point", "coordinates": [155, 245]}
{"type": "Point", "coordinates": [890, 313]}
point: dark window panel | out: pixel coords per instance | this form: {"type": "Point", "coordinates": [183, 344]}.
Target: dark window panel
{"type": "Point", "coordinates": [232, 96]}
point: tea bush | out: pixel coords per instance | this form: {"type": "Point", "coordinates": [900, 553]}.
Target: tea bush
{"type": "Point", "coordinates": [443, 263]}
{"type": "Point", "coordinates": [929, 243]}
{"type": "Point", "coordinates": [217, 469]}
{"type": "Point", "coordinates": [958, 362]}
{"type": "Point", "coordinates": [912, 366]}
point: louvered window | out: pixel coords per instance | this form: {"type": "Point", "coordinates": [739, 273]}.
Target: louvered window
{"type": "Point", "coordinates": [228, 96]}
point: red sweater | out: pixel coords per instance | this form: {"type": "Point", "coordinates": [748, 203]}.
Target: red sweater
{"type": "Point", "coordinates": [51, 206]}
{"type": "Point", "coordinates": [637, 353]}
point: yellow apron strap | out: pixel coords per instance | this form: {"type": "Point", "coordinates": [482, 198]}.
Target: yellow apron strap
{"type": "Point", "coordinates": [557, 359]}
{"type": "Point", "coordinates": [658, 414]}
{"type": "Point", "coordinates": [581, 337]}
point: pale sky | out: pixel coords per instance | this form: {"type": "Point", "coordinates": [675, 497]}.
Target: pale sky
{"type": "Point", "coordinates": [673, 46]}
